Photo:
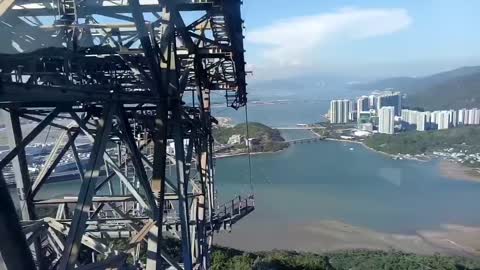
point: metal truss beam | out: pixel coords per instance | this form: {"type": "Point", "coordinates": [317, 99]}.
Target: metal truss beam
{"type": "Point", "coordinates": [72, 247]}
{"type": "Point", "coordinates": [129, 80]}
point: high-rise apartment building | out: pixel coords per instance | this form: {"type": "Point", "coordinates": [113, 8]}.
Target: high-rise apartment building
{"type": "Point", "coordinates": [372, 102]}
{"type": "Point", "coordinates": [462, 116]}
{"type": "Point", "coordinates": [443, 120]}
{"type": "Point", "coordinates": [363, 105]}
{"type": "Point", "coordinates": [390, 99]}
{"type": "Point", "coordinates": [476, 117]}
{"type": "Point", "coordinates": [340, 111]}
{"type": "Point", "coordinates": [453, 118]}
{"type": "Point", "coordinates": [421, 121]}
{"type": "Point", "coordinates": [386, 121]}
{"type": "Point", "coordinates": [409, 116]}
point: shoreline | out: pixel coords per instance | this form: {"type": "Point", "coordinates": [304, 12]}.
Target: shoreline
{"type": "Point", "coordinates": [447, 168]}
{"type": "Point", "coordinates": [455, 171]}
{"type": "Point", "coordinates": [222, 156]}
{"type": "Point", "coordinates": [334, 235]}
{"type": "Point", "coordinates": [325, 235]}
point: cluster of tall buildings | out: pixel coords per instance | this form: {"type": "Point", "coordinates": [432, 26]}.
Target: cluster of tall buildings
{"type": "Point", "coordinates": [440, 119]}
{"type": "Point", "coordinates": [383, 110]}
{"type": "Point", "coordinates": [469, 116]}
{"type": "Point", "coordinates": [344, 111]}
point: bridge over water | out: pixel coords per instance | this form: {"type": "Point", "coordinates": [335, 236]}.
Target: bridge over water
{"type": "Point", "coordinates": [316, 137]}
{"type": "Point", "coordinates": [297, 128]}
{"type": "Point", "coordinates": [306, 140]}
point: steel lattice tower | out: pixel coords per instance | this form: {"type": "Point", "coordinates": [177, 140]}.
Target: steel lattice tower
{"type": "Point", "coordinates": [117, 73]}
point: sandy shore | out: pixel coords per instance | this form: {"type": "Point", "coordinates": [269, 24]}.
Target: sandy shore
{"type": "Point", "coordinates": [258, 233]}
{"type": "Point", "coordinates": [456, 171]}
{"type": "Point", "coordinates": [330, 235]}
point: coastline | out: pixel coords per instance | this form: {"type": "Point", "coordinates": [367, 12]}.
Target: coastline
{"type": "Point", "coordinates": [449, 169]}
{"type": "Point", "coordinates": [324, 235]}
{"type": "Point", "coordinates": [356, 142]}
{"type": "Point", "coordinates": [222, 156]}
{"type": "Point", "coordinates": [334, 235]}
{"type": "Point", "coordinates": [456, 171]}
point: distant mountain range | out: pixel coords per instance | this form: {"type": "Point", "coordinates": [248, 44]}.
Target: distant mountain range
{"type": "Point", "coordinates": [305, 86]}
{"type": "Point", "coordinates": [453, 89]}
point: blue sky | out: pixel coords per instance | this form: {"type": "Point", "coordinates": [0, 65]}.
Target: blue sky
{"type": "Point", "coordinates": [364, 39]}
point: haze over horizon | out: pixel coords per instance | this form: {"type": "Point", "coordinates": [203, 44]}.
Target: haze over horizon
{"type": "Point", "coordinates": [355, 40]}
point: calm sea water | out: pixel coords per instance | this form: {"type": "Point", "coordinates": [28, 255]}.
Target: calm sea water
{"type": "Point", "coordinates": [329, 180]}
{"type": "Point", "coordinates": [280, 113]}
{"type": "Point", "coordinates": [332, 180]}
{"type": "Point", "coordinates": [326, 180]}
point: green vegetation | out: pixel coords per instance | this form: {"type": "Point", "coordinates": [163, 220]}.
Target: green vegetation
{"type": "Point", "coordinates": [345, 260]}
{"type": "Point", "coordinates": [456, 93]}
{"type": "Point", "coordinates": [231, 259]}
{"type": "Point", "coordinates": [335, 131]}
{"type": "Point", "coordinates": [415, 142]}
{"type": "Point", "coordinates": [453, 89]}
{"type": "Point", "coordinates": [267, 138]}
{"type": "Point", "coordinates": [324, 132]}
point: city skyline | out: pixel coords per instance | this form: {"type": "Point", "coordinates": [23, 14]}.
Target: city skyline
{"type": "Point", "coordinates": [368, 111]}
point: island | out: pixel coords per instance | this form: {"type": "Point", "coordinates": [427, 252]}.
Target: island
{"type": "Point", "coordinates": [232, 139]}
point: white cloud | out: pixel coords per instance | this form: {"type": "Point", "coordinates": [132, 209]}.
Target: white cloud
{"type": "Point", "coordinates": [291, 43]}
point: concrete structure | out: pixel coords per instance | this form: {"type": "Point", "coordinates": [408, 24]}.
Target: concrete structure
{"type": "Point", "coordinates": [470, 116]}
{"type": "Point", "coordinates": [363, 103]}
{"type": "Point", "coordinates": [366, 127]}
{"type": "Point", "coordinates": [340, 111]}
{"type": "Point", "coordinates": [372, 102]}
{"type": "Point", "coordinates": [443, 120]}
{"type": "Point", "coordinates": [386, 120]}
{"type": "Point", "coordinates": [421, 121]}
{"type": "Point", "coordinates": [409, 116]}
{"type": "Point", "coordinates": [361, 133]}
{"type": "Point", "coordinates": [453, 118]}
{"type": "Point", "coordinates": [235, 139]}
{"type": "Point", "coordinates": [349, 110]}
{"type": "Point", "coordinates": [365, 117]}
{"type": "Point", "coordinates": [476, 118]}
{"type": "Point", "coordinates": [390, 99]}
{"type": "Point", "coordinates": [463, 116]}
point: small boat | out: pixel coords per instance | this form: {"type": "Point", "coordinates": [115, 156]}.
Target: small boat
{"type": "Point", "coordinates": [351, 149]}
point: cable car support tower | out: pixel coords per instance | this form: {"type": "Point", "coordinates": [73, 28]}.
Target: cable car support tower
{"type": "Point", "coordinates": [118, 83]}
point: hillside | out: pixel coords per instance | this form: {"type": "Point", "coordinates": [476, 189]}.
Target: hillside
{"type": "Point", "coordinates": [455, 93]}
{"type": "Point", "coordinates": [268, 139]}
{"type": "Point", "coordinates": [224, 258]}
{"type": "Point", "coordinates": [453, 89]}
{"type": "Point", "coordinates": [425, 142]}
{"type": "Point", "coordinates": [232, 259]}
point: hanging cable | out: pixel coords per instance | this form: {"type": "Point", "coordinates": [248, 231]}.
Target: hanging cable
{"type": "Point", "coordinates": [248, 150]}
{"type": "Point", "coordinates": [46, 138]}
